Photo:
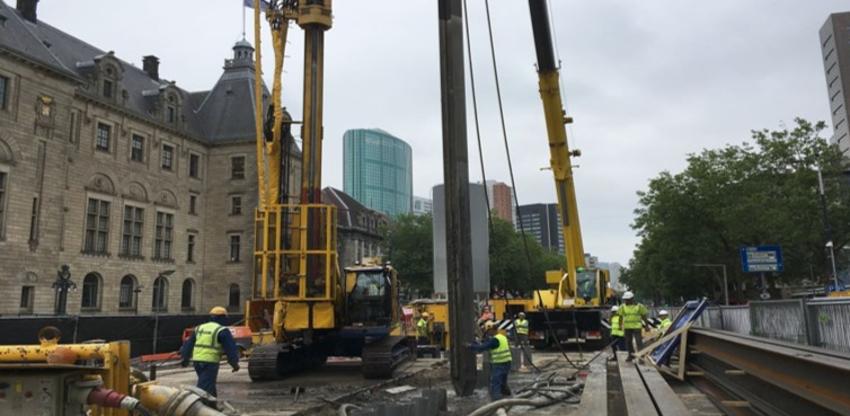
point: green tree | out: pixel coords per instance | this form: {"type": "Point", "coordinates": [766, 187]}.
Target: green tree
{"type": "Point", "coordinates": [739, 195]}
{"type": "Point", "coordinates": [408, 244]}
{"type": "Point", "coordinates": [510, 268]}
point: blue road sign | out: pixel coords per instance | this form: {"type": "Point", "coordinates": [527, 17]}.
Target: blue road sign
{"type": "Point", "coordinates": [761, 259]}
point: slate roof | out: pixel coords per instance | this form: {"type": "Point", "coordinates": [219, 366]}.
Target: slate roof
{"type": "Point", "coordinates": [224, 114]}
{"type": "Point", "coordinates": [348, 208]}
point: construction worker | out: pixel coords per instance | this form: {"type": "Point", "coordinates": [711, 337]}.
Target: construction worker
{"type": "Point", "coordinates": [631, 321]}
{"type": "Point", "coordinates": [422, 332]}
{"type": "Point", "coordinates": [205, 346]}
{"type": "Point", "coordinates": [616, 333]}
{"type": "Point", "coordinates": [665, 321]}
{"type": "Point", "coordinates": [521, 326]}
{"type": "Point", "coordinates": [500, 359]}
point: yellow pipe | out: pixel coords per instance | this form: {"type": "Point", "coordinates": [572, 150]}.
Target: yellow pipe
{"type": "Point", "coordinates": [169, 401]}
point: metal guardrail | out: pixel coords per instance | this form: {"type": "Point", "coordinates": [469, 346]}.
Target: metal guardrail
{"type": "Point", "coordinates": [774, 377]}
{"type": "Point", "coordinates": [823, 322]}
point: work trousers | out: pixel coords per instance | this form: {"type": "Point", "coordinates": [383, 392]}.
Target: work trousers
{"type": "Point", "coordinates": [207, 376]}
{"type": "Point", "coordinates": [499, 380]}
{"type": "Point", "coordinates": [633, 334]}
{"type": "Point", "coordinates": [522, 339]}
{"type": "Point", "coordinates": [617, 344]}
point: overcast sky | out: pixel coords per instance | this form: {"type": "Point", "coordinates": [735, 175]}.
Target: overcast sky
{"type": "Point", "coordinates": [647, 81]}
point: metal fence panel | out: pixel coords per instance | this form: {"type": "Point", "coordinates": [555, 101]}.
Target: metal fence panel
{"type": "Point", "coordinates": [736, 319]}
{"type": "Point", "coordinates": [782, 319]}
{"type": "Point", "coordinates": [830, 323]}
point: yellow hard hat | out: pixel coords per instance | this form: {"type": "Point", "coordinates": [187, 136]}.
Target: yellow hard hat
{"type": "Point", "coordinates": [218, 311]}
{"type": "Point", "coordinates": [425, 315]}
{"type": "Point", "coordinates": [489, 325]}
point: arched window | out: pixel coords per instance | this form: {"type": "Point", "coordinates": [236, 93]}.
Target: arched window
{"type": "Point", "coordinates": [127, 294]}
{"type": "Point", "coordinates": [160, 294]}
{"type": "Point", "coordinates": [91, 292]}
{"type": "Point", "coordinates": [233, 297]}
{"type": "Point", "coordinates": [187, 298]}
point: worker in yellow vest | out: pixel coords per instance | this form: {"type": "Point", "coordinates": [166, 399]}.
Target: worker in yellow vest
{"type": "Point", "coordinates": [665, 322]}
{"type": "Point", "coordinates": [205, 347]}
{"type": "Point", "coordinates": [616, 333]}
{"type": "Point", "coordinates": [521, 327]}
{"type": "Point", "coordinates": [631, 322]}
{"type": "Point", "coordinates": [422, 332]}
{"type": "Point", "coordinates": [500, 359]}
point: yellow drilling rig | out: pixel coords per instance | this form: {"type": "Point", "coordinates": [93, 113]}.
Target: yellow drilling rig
{"type": "Point", "coordinates": [303, 307]}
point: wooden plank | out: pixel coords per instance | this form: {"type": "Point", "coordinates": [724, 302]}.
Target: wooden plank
{"type": "Point", "coordinates": [594, 397]}
{"type": "Point", "coordinates": [637, 397]}
{"type": "Point", "coordinates": [665, 398]}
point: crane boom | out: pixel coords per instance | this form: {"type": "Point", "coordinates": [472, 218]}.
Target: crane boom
{"type": "Point", "coordinates": [556, 120]}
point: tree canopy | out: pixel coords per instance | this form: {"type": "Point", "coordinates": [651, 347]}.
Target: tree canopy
{"type": "Point", "coordinates": [764, 192]}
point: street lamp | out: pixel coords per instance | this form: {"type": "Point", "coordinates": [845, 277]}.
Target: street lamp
{"type": "Point", "coordinates": [827, 228]}
{"type": "Point", "coordinates": [62, 285]}
{"type": "Point", "coordinates": [725, 282]}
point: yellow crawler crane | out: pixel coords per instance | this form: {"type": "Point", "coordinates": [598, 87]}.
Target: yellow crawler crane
{"type": "Point", "coordinates": [91, 379]}
{"type": "Point", "coordinates": [572, 307]}
{"type": "Point", "coordinates": [302, 310]}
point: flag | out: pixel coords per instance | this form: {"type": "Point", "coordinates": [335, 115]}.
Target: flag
{"type": "Point", "coordinates": [264, 4]}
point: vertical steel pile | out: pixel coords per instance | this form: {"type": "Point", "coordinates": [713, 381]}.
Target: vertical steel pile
{"type": "Point", "coordinates": [456, 178]}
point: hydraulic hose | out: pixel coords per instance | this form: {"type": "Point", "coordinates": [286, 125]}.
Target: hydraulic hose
{"type": "Point", "coordinates": [523, 401]}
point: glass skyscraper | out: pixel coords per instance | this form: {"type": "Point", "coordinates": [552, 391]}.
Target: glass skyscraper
{"type": "Point", "coordinates": [378, 170]}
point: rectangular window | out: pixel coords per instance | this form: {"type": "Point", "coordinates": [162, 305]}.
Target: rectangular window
{"type": "Point", "coordinates": [4, 92]}
{"type": "Point", "coordinates": [167, 157]}
{"type": "Point", "coordinates": [193, 204]}
{"type": "Point", "coordinates": [237, 167]}
{"type": "Point", "coordinates": [72, 123]}
{"type": "Point", "coordinates": [104, 135]}
{"type": "Point", "coordinates": [131, 240]}
{"type": "Point", "coordinates": [194, 165]}
{"type": "Point", "coordinates": [97, 227]}
{"type": "Point", "coordinates": [2, 202]}
{"type": "Point", "coordinates": [107, 88]}
{"type": "Point", "coordinates": [27, 298]}
{"type": "Point", "coordinates": [235, 205]}
{"type": "Point", "coordinates": [190, 249]}
{"type": "Point", "coordinates": [172, 114]}
{"type": "Point", "coordinates": [137, 148]}
{"type": "Point", "coordinates": [34, 220]}
{"type": "Point", "coordinates": [235, 246]}
{"type": "Point", "coordinates": [164, 236]}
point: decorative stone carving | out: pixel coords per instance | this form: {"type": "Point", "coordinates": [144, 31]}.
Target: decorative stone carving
{"type": "Point", "coordinates": [101, 183]}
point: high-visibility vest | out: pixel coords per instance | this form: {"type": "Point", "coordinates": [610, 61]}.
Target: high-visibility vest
{"type": "Point", "coordinates": [422, 328]}
{"type": "Point", "coordinates": [615, 326]}
{"type": "Point", "coordinates": [502, 353]}
{"type": "Point", "coordinates": [665, 323]}
{"type": "Point", "coordinates": [632, 315]}
{"type": "Point", "coordinates": [207, 348]}
{"type": "Point", "coordinates": [521, 326]}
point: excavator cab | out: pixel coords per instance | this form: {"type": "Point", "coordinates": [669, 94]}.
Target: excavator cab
{"type": "Point", "coordinates": [592, 286]}
{"type": "Point", "coordinates": [369, 291]}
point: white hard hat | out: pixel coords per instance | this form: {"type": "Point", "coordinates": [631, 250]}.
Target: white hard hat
{"type": "Point", "coordinates": [663, 312]}
{"type": "Point", "coordinates": [615, 308]}
{"type": "Point", "coordinates": [628, 295]}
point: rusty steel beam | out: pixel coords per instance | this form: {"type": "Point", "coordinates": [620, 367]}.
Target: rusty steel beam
{"type": "Point", "coordinates": [809, 378]}
{"type": "Point", "coordinates": [456, 177]}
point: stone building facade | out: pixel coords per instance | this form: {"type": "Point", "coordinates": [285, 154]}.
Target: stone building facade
{"type": "Point", "coordinates": [146, 190]}
{"type": "Point", "coordinates": [358, 227]}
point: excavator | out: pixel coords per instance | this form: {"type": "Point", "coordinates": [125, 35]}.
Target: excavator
{"type": "Point", "coordinates": [303, 308]}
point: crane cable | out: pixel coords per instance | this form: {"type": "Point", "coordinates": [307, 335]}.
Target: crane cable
{"type": "Point", "coordinates": [475, 112]}
{"type": "Point", "coordinates": [551, 331]}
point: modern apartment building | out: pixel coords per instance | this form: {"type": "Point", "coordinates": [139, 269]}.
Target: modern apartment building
{"type": "Point", "coordinates": [835, 49]}
{"type": "Point", "coordinates": [378, 170]}
{"type": "Point", "coordinates": [543, 222]}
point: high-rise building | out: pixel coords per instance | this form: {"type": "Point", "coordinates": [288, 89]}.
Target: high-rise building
{"type": "Point", "coordinates": [542, 222]}
{"type": "Point", "coordinates": [378, 170]}
{"type": "Point", "coordinates": [501, 199]}
{"type": "Point", "coordinates": [422, 205]}
{"type": "Point", "coordinates": [480, 242]}
{"type": "Point", "coordinates": [835, 47]}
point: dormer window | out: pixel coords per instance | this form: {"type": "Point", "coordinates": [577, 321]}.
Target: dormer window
{"type": "Point", "coordinates": [108, 88]}
{"type": "Point", "coordinates": [172, 114]}
{"type": "Point", "coordinates": [171, 108]}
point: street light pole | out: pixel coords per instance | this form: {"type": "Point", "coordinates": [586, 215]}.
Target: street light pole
{"type": "Point", "coordinates": [62, 285]}
{"type": "Point", "coordinates": [827, 228]}
{"type": "Point", "coordinates": [725, 281]}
